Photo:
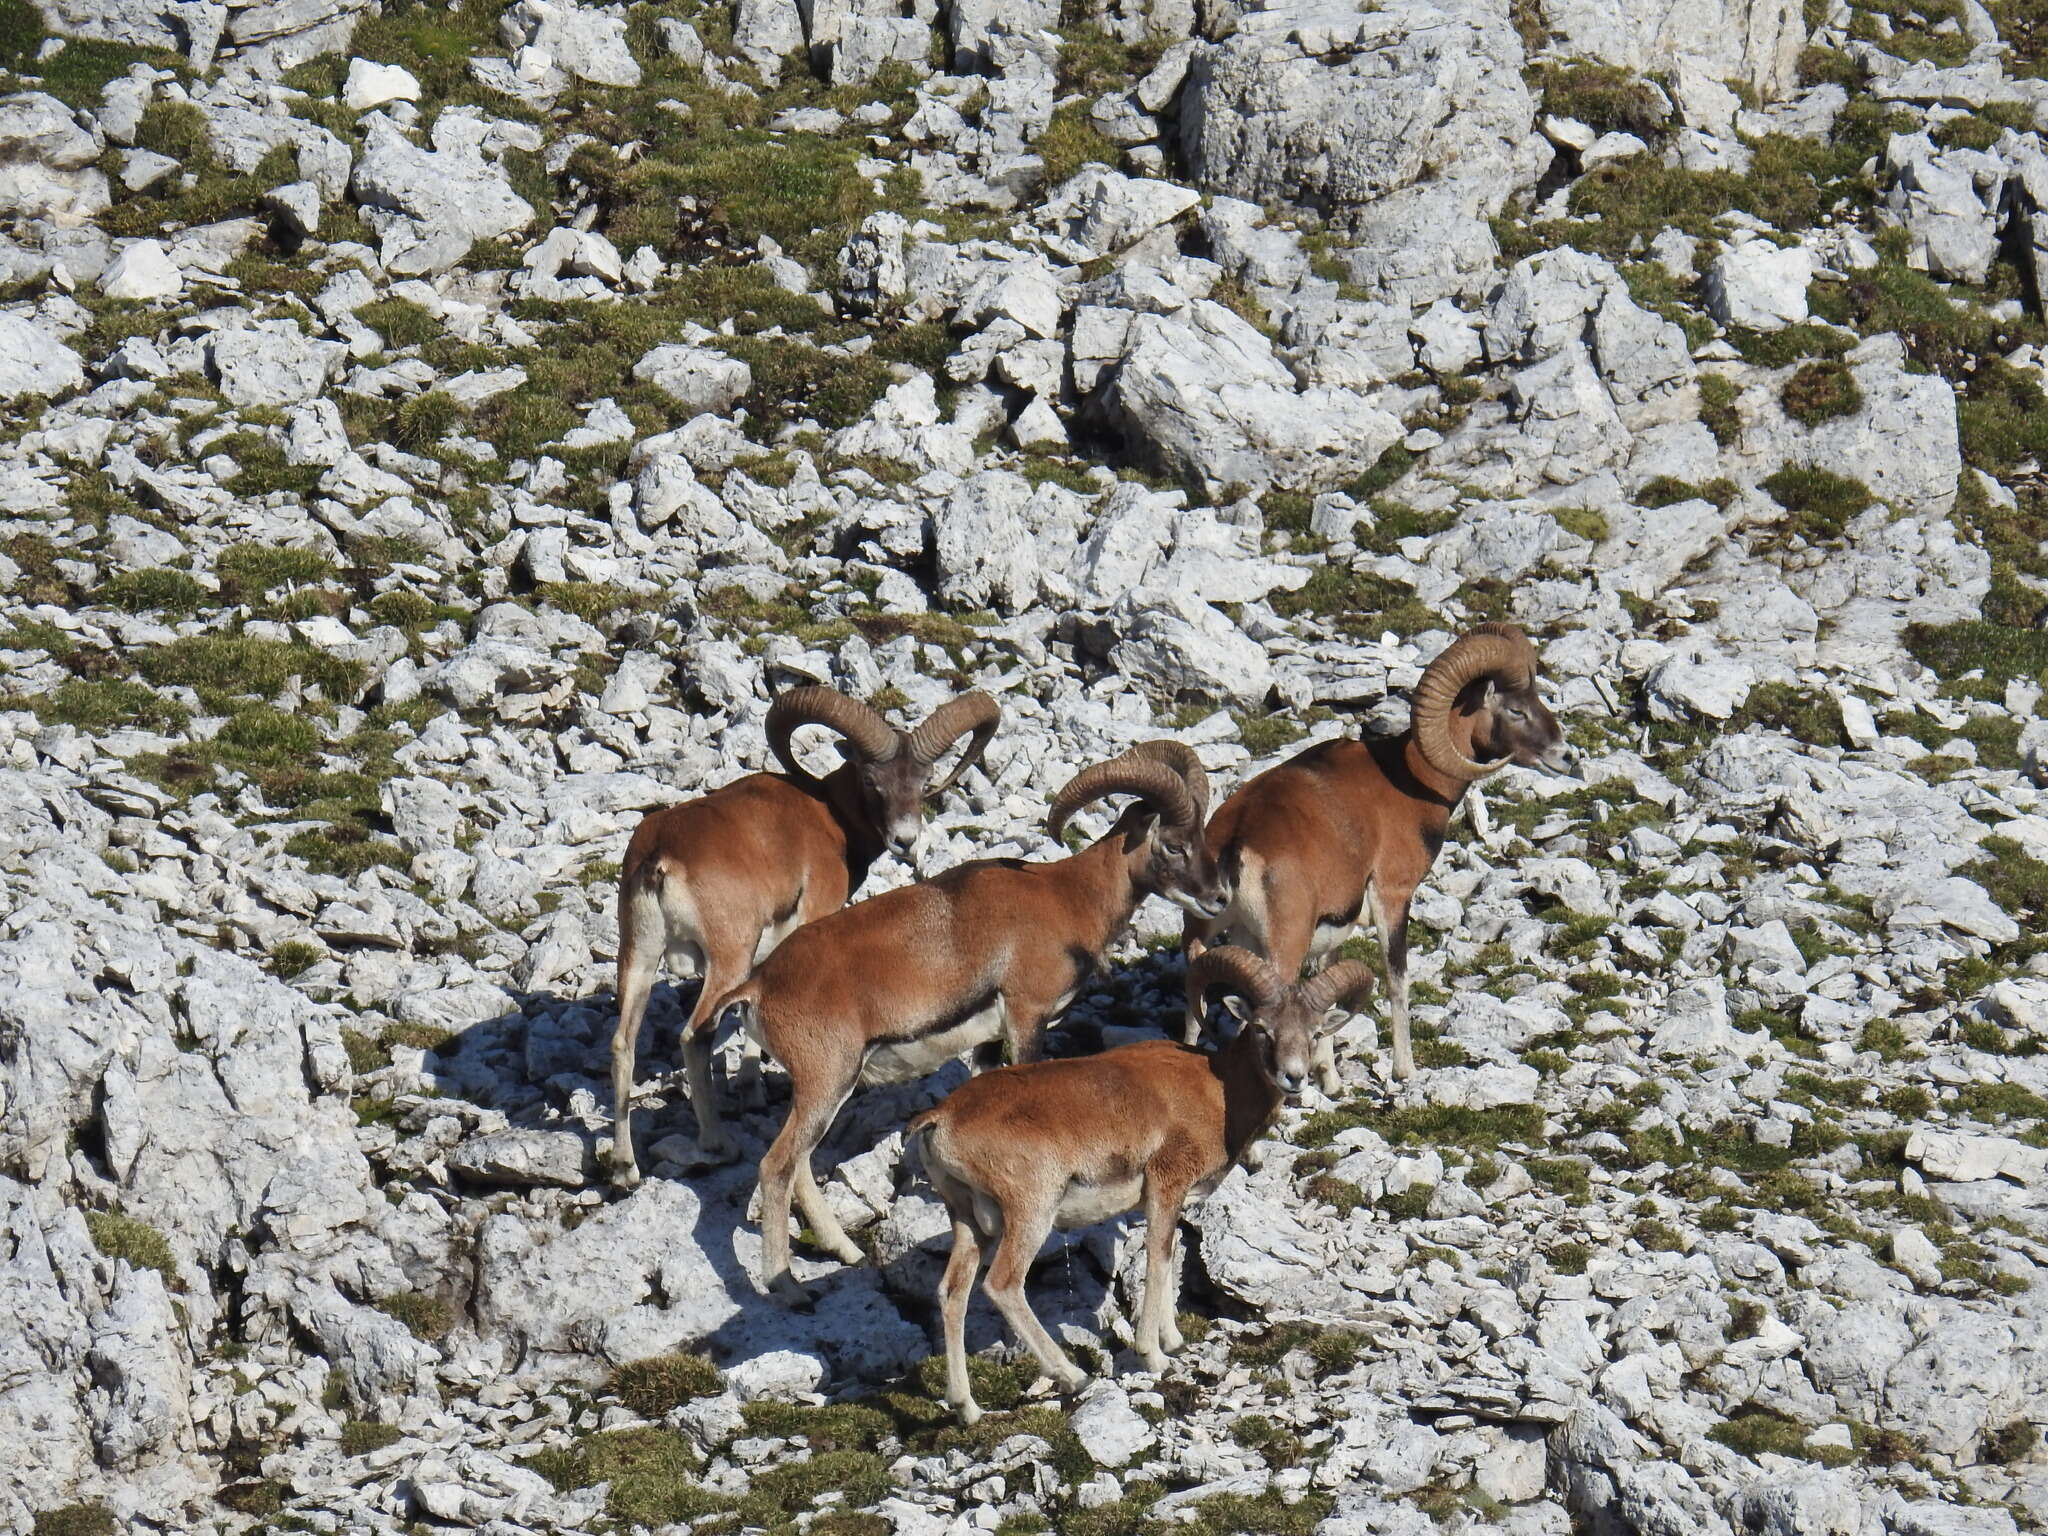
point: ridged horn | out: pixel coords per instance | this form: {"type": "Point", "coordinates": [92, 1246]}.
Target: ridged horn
{"type": "Point", "coordinates": [1249, 976]}
{"type": "Point", "coordinates": [865, 730]}
{"type": "Point", "coordinates": [1346, 982]}
{"type": "Point", "coordinates": [1499, 650]}
{"type": "Point", "coordinates": [1180, 757]}
{"type": "Point", "coordinates": [1126, 774]}
{"type": "Point", "coordinates": [972, 711]}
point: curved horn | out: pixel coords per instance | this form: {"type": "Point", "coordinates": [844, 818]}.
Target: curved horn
{"type": "Point", "coordinates": [1346, 982]}
{"type": "Point", "coordinates": [865, 730]}
{"type": "Point", "coordinates": [973, 711]}
{"type": "Point", "coordinates": [1126, 774]}
{"type": "Point", "coordinates": [1250, 976]}
{"type": "Point", "coordinates": [1180, 757]}
{"type": "Point", "coordinates": [1497, 649]}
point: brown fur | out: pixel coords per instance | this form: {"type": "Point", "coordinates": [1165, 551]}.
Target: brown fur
{"type": "Point", "coordinates": [1016, 1152]}
{"type": "Point", "coordinates": [714, 884]}
{"type": "Point", "coordinates": [992, 949]}
{"type": "Point", "coordinates": [1343, 832]}
{"type": "Point", "coordinates": [714, 876]}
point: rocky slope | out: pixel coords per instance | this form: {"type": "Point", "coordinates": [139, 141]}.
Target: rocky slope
{"type": "Point", "coordinates": [433, 435]}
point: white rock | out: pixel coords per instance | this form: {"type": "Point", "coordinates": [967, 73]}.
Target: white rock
{"type": "Point", "coordinates": [1404, 122]}
{"type": "Point", "coordinates": [272, 367]}
{"type": "Point", "coordinates": [1179, 644]}
{"type": "Point", "coordinates": [588, 42]}
{"type": "Point", "coordinates": [430, 205]}
{"type": "Point", "coordinates": [1954, 902]}
{"type": "Point", "coordinates": [298, 202]}
{"type": "Point", "coordinates": [1917, 1256]}
{"type": "Point", "coordinates": [1610, 147]}
{"type": "Point", "coordinates": [1757, 41]}
{"type": "Point", "coordinates": [1204, 395]}
{"type": "Point", "coordinates": [524, 1157]}
{"type": "Point", "coordinates": [1699, 680]}
{"type": "Point", "coordinates": [696, 378]}
{"type": "Point", "coordinates": [2020, 1002]}
{"type": "Point", "coordinates": [1759, 285]}
{"type": "Point", "coordinates": [372, 85]}
{"type": "Point", "coordinates": [46, 160]}
{"type": "Point", "coordinates": [1098, 212]}
{"type": "Point", "coordinates": [34, 362]}
{"type": "Point", "coordinates": [142, 169]}
{"type": "Point", "coordinates": [1110, 1429]}
{"type": "Point", "coordinates": [143, 270]}
{"type": "Point", "coordinates": [987, 557]}
{"type": "Point", "coordinates": [1963, 1158]}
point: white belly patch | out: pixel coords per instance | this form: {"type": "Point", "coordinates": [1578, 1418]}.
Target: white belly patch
{"type": "Point", "coordinates": [901, 1060]}
{"type": "Point", "coordinates": [1083, 1205]}
{"type": "Point", "coordinates": [773, 935]}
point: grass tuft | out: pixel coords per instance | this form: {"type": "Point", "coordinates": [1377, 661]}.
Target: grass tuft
{"type": "Point", "coordinates": [134, 1242]}
{"type": "Point", "coordinates": [652, 1387]}
{"type": "Point", "coordinates": [1821, 391]}
{"type": "Point", "coordinates": [77, 1520]}
{"type": "Point", "coordinates": [1754, 1431]}
{"type": "Point", "coordinates": [1821, 504]}
{"type": "Point", "coordinates": [428, 1317]}
{"type": "Point", "coordinates": [359, 1437]}
{"type": "Point", "coordinates": [1605, 97]}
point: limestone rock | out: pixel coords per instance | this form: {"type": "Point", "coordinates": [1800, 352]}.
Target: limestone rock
{"type": "Point", "coordinates": [1756, 41]}
{"type": "Point", "coordinates": [34, 362]}
{"type": "Point", "coordinates": [1759, 285]}
{"type": "Point", "coordinates": [1206, 397]}
{"type": "Point", "coordinates": [46, 160]}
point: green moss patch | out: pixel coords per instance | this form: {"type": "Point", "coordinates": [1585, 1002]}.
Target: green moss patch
{"type": "Point", "coordinates": [221, 668]}
{"type": "Point", "coordinates": [428, 1317]}
{"type": "Point", "coordinates": [102, 704]}
{"type": "Point", "coordinates": [1605, 97]}
{"type": "Point", "coordinates": [1820, 501]}
{"type": "Point", "coordinates": [2002, 418]}
{"type": "Point", "coordinates": [1821, 391]}
{"type": "Point", "coordinates": [652, 1387]}
{"type": "Point", "coordinates": [1755, 1431]}
{"type": "Point", "coordinates": [1430, 1124]}
{"type": "Point", "coordinates": [77, 1520]}
{"type": "Point", "coordinates": [1333, 1350]}
{"type": "Point", "coordinates": [133, 1242]}
{"type": "Point", "coordinates": [359, 1437]}
{"type": "Point", "coordinates": [1998, 651]}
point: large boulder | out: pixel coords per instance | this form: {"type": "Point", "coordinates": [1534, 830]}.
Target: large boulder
{"type": "Point", "coordinates": [1202, 395]}
{"type": "Point", "coordinates": [269, 36]}
{"type": "Point", "coordinates": [1555, 299]}
{"type": "Point", "coordinates": [699, 379]}
{"type": "Point", "coordinates": [1947, 201]}
{"type": "Point", "coordinates": [431, 205]}
{"type": "Point", "coordinates": [2028, 198]}
{"type": "Point", "coordinates": [33, 361]}
{"type": "Point", "coordinates": [272, 36]}
{"type": "Point", "coordinates": [1901, 442]}
{"type": "Point", "coordinates": [1757, 41]}
{"type": "Point", "coordinates": [273, 366]}
{"type": "Point", "coordinates": [1178, 645]}
{"type": "Point", "coordinates": [1405, 125]}
{"type": "Point", "coordinates": [987, 557]}
{"type": "Point", "coordinates": [585, 41]}
{"type": "Point", "coordinates": [671, 1268]}
{"type": "Point", "coordinates": [1759, 286]}
{"type": "Point", "coordinates": [46, 160]}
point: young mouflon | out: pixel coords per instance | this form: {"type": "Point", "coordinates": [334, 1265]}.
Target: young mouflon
{"type": "Point", "coordinates": [1017, 1152]}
